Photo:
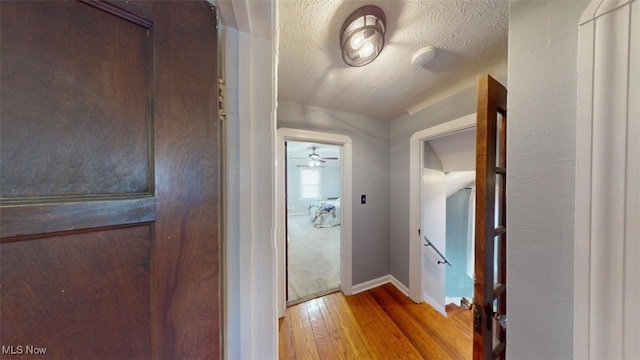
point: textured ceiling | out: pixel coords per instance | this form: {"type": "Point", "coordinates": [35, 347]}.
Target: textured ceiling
{"type": "Point", "coordinates": [470, 35]}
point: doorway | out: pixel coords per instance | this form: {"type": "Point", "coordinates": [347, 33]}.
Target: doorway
{"type": "Point", "coordinates": [448, 169]}
{"type": "Point", "coordinates": [442, 160]}
{"type": "Point", "coordinates": [343, 142]}
{"type": "Point", "coordinates": [313, 219]}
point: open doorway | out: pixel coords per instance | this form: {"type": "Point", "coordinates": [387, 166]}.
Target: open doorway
{"type": "Point", "coordinates": [442, 175]}
{"type": "Point", "coordinates": [443, 160]}
{"type": "Point", "coordinates": [344, 143]}
{"type": "Point", "coordinates": [313, 219]}
{"type": "Point", "coordinates": [448, 174]}
{"type": "Point", "coordinates": [457, 155]}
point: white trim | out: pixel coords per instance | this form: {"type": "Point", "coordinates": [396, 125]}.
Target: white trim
{"type": "Point", "coordinates": [346, 175]}
{"type": "Point", "coordinates": [598, 8]}
{"type": "Point", "coordinates": [403, 289]}
{"type": "Point", "coordinates": [372, 284]}
{"type": "Point", "coordinates": [434, 304]}
{"type": "Point", "coordinates": [250, 65]}
{"type": "Point", "coordinates": [582, 213]}
{"type": "Point", "coordinates": [249, 277]}
{"type": "Point", "coordinates": [415, 172]}
{"type": "Point", "coordinates": [607, 193]}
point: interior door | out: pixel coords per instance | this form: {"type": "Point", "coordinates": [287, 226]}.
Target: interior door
{"type": "Point", "coordinates": [490, 295]}
{"type": "Point", "coordinates": [109, 194]}
{"type": "Point", "coordinates": [434, 228]}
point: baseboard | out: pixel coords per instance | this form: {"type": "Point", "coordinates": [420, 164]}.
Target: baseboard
{"type": "Point", "coordinates": [403, 289]}
{"type": "Point", "coordinates": [368, 285]}
{"type": "Point", "coordinates": [434, 305]}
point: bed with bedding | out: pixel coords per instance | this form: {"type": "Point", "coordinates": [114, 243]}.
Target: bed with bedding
{"type": "Point", "coordinates": [325, 213]}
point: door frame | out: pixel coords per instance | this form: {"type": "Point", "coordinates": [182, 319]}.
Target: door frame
{"type": "Point", "coordinates": [415, 175]}
{"type": "Point", "coordinates": [346, 174]}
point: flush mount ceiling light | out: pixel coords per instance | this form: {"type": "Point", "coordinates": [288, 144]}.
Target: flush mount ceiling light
{"type": "Point", "coordinates": [362, 35]}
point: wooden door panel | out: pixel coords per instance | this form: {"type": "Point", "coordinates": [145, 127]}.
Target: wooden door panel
{"type": "Point", "coordinates": [79, 296]}
{"type": "Point", "coordinates": [187, 181]}
{"type": "Point", "coordinates": [24, 219]}
{"type": "Point", "coordinates": [83, 76]}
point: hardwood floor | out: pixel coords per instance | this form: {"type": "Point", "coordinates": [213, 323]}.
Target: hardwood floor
{"type": "Point", "coordinates": [381, 323]}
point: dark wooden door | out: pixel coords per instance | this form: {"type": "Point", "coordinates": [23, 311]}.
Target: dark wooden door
{"type": "Point", "coordinates": [109, 190]}
{"type": "Point", "coordinates": [490, 295]}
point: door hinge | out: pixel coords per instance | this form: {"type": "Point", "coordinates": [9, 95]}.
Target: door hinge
{"type": "Point", "coordinates": [222, 114]}
{"type": "Point", "coordinates": [419, 232]}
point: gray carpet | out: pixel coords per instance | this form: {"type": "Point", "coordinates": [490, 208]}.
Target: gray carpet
{"type": "Point", "coordinates": [314, 258]}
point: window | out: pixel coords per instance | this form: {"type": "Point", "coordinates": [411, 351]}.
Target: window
{"type": "Point", "coordinates": [310, 184]}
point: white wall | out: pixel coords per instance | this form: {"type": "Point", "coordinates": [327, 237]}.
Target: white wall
{"type": "Point", "coordinates": [543, 39]}
{"type": "Point", "coordinates": [456, 106]}
{"type": "Point", "coordinates": [433, 211]}
{"type": "Point", "coordinates": [330, 181]}
{"type": "Point", "coordinates": [370, 138]}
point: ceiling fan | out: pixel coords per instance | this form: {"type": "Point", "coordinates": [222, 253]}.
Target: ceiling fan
{"type": "Point", "coordinates": [316, 159]}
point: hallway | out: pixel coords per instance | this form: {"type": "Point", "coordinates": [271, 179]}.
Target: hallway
{"type": "Point", "coordinates": [380, 323]}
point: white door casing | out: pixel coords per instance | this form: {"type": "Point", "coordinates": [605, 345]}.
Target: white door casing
{"type": "Point", "coordinates": [346, 173]}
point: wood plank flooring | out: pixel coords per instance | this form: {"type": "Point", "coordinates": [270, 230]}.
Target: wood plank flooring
{"type": "Point", "coordinates": [381, 323]}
